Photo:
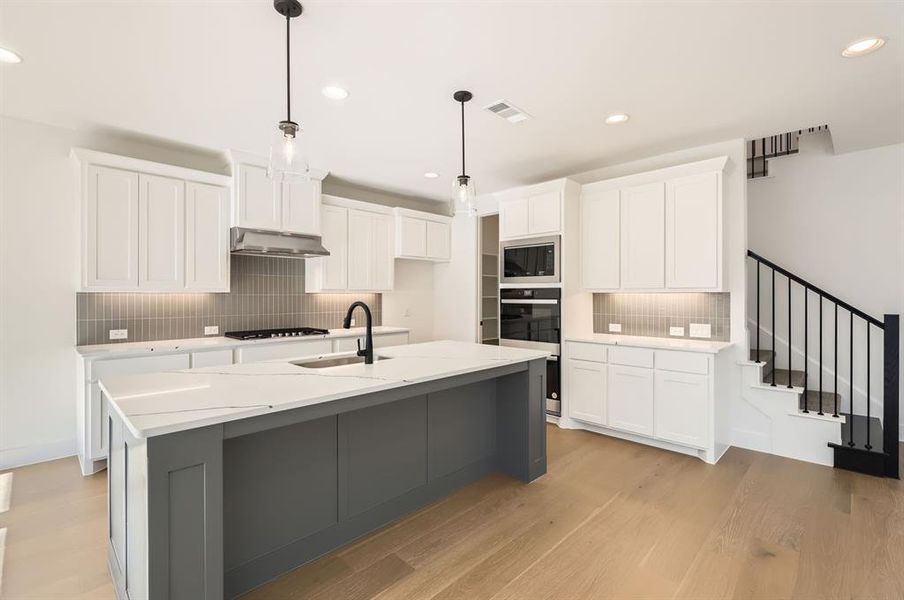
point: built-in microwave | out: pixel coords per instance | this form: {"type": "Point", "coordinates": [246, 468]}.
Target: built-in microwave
{"type": "Point", "coordinates": [530, 261]}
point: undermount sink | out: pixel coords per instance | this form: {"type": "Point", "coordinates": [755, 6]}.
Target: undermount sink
{"type": "Point", "coordinates": [333, 362]}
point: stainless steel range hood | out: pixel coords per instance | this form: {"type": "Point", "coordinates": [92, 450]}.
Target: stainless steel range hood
{"type": "Point", "coordinates": [262, 242]}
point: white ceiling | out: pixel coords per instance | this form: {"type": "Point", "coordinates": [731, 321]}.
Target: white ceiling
{"type": "Point", "coordinates": [210, 74]}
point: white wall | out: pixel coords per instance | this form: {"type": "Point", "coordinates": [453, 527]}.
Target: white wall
{"type": "Point", "coordinates": [838, 222]}
{"type": "Point", "coordinates": [455, 285]}
{"type": "Point", "coordinates": [410, 303]}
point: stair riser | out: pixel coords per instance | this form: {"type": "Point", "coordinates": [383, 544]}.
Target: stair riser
{"type": "Point", "coordinates": [869, 463]}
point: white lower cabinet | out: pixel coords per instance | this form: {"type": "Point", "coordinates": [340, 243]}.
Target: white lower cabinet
{"type": "Point", "coordinates": [681, 408]}
{"type": "Point", "coordinates": [587, 390]}
{"type": "Point", "coordinates": [630, 399]}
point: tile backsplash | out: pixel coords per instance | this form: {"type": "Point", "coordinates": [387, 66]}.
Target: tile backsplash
{"type": "Point", "coordinates": [653, 314]}
{"type": "Point", "coordinates": [265, 292]}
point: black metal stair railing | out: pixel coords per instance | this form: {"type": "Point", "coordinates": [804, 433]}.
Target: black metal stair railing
{"type": "Point", "coordinates": [889, 327]}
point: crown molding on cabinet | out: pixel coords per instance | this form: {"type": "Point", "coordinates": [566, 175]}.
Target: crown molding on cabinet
{"type": "Point", "coordinates": [86, 156]}
{"type": "Point", "coordinates": [708, 165]}
{"type": "Point", "coordinates": [241, 156]}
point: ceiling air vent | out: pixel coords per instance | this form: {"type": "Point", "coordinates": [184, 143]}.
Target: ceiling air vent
{"type": "Point", "coordinates": [510, 113]}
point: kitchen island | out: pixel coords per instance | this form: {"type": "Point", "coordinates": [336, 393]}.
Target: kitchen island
{"type": "Point", "coordinates": [222, 478]}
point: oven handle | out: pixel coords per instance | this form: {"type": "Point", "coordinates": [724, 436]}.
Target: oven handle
{"type": "Point", "coordinates": [550, 301]}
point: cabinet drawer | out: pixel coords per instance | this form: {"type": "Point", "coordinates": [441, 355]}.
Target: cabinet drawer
{"type": "Point", "coordinates": [631, 357]}
{"type": "Point", "coordinates": [141, 364]}
{"type": "Point", "coordinates": [683, 362]}
{"type": "Point", "coordinates": [211, 358]}
{"type": "Point", "coordinates": [586, 351]}
{"type": "Point", "coordinates": [284, 350]}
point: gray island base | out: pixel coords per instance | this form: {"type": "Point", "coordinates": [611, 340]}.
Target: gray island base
{"type": "Point", "coordinates": [213, 511]}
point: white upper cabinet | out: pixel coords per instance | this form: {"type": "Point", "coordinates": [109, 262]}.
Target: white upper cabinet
{"type": "Point", "coordinates": [421, 235]}
{"type": "Point", "coordinates": [643, 237]}
{"type": "Point", "coordinates": [206, 237]}
{"type": "Point", "coordinates": [151, 227]}
{"type": "Point", "coordinates": [110, 231]}
{"type": "Point", "coordinates": [360, 239]}
{"type": "Point", "coordinates": [655, 231]}
{"type": "Point", "coordinates": [257, 201]}
{"type": "Point", "coordinates": [693, 231]}
{"type": "Point", "coordinates": [161, 233]}
{"type": "Point", "coordinates": [533, 210]}
{"type": "Point", "coordinates": [600, 240]}
{"type": "Point", "coordinates": [261, 203]}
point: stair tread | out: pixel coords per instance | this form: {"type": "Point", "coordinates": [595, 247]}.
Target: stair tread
{"type": "Point", "coordinates": [810, 401]}
{"type": "Point", "coordinates": [782, 377]}
{"type": "Point", "coordinates": [860, 424]}
{"type": "Point", "coordinates": [761, 355]}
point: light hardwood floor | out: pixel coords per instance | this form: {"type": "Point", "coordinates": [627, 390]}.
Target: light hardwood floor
{"type": "Point", "coordinates": [611, 519]}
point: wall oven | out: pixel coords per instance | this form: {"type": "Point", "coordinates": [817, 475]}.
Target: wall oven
{"type": "Point", "coordinates": [530, 261]}
{"type": "Point", "coordinates": [532, 318]}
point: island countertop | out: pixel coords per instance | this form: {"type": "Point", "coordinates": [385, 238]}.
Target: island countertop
{"type": "Point", "coordinates": [161, 403]}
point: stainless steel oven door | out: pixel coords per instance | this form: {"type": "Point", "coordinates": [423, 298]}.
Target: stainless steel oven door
{"type": "Point", "coordinates": [533, 260]}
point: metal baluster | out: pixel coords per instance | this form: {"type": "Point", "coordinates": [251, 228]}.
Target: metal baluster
{"type": "Point", "coordinates": [806, 341]}
{"type": "Point", "coordinates": [774, 328]}
{"type": "Point", "coordinates": [851, 401]}
{"type": "Point", "coordinates": [820, 355]}
{"type": "Point", "coordinates": [868, 445]}
{"type": "Point", "coordinates": [758, 311]}
{"type": "Point", "coordinates": [789, 332]}
{"type": "Point", "coordinates": [835, 414]}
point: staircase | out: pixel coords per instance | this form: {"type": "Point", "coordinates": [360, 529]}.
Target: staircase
{"type": "Point", "coordinates": [819, 394]}
{"type": "Point", "coordinates": [759, 151]}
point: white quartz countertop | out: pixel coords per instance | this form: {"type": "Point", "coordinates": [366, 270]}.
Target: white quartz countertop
{"type": "Point", "coordinates": [637, 341]}
{"type": "Point", "coordinates": [125, 349]}
{"type": "Point", "coordinates": [160, 403]}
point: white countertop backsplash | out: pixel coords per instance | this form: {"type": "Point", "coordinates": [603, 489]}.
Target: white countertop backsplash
{"type": "Point", "coordinates": [637, 341]}
{"type": "Point", "coordinates": [166, 402]}
{"type": "Point", "coordinates": [125, 349]}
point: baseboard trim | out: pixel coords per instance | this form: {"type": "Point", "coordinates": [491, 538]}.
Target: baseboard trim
{"type": "Point", "coordinates": [751, 440]}
{"type": "Point", "coordinates": [13, 458]}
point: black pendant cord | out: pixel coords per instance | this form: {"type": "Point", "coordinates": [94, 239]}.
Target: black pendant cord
{"type": "Point", "coordinates": [288, 72]}
{"type": "Point", "coordinates": [463, 171]}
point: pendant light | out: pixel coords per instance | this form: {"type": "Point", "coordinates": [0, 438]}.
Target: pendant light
{"type": "Point", "coordinates": [464, 194]}
{"type": "Point", "coordinates": [288, 159]}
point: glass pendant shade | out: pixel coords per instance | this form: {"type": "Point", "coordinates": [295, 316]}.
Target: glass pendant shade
{"type": "Point", "coordinates": [288, 154]}
{"type": "Point", "coordinates": [464, 196]}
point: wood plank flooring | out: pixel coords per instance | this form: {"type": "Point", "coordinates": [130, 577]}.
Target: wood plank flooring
{"type": "Point", "coordinates": [611, 519]}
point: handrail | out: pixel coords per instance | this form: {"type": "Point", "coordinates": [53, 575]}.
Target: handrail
{"type": "Point", "coordinates": [820, 291]}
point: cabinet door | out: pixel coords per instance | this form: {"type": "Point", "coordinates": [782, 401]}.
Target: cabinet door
{"type": "Point", "coordinates": [600, 244]}
{"type": "Point", "coordinates": [586, 391]}
{"type": "Point", "coordinates": [681, 408]}
{"type": "Point", "coordinates": [438, 242]}
{"type": "Point", "coordinates": [301, 207]}
{"type": "Point", "coordinates": [360, 245]}
{"type": "Point", "coordinates": [514, 217]}
{"type": "Point", "coordinates": [630, 400]}
{"type": "Point", "coordinates": [412, 237]}
{"type": "Point", "coordinates": [111, 229]}
{"type": "Point", "coordinates": [257, 200]}
{"type": "Point", "coordinates": [545, 213]}
{"type": "Point", "coordinates": [643, 237]}
{"type": "Point", "coordinates": [381, 254]}
{"type": "Point", "coordinates": [693, 232]}
{"type": "Point", "coordinates": [161, 233]}
{"type": "Point", "coordinates": [334, 225]}
{"type": "Point", "coordinates": [206, 244]}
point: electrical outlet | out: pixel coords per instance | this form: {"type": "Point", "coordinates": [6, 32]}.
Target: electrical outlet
{"type": "Point", "coordinates": [701, 330]}
{"type": "Point", "coordinates": [211, 330]}
{"type": "Point", "coordinates": [352, 322]}
{"type": "Point", "coordinates": [119, 334]}
{"type": "Point", "coordinates": [677, 331]}
{"type": "Point", "coordinates": [614, 327]}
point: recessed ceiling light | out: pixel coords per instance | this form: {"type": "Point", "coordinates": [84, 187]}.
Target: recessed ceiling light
{"type": "Point", "coordinates": [334, 92]}
{"type": "Point", "coordinates": [431, 175]}
{"type": "Point", "coordinates": [8, 56]}
{"type": "Point", "coordinates": [863, 47]}
{"type": "Point", "coordinates": [616, 118]}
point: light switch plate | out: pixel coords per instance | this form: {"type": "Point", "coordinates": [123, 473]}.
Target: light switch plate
{"type": "Point", "coordinates": [676, 331]}
{"type": "Point", "coordinates": [119, 334]}
{"type": "Point", "coordinates": [211, 330]}
{"type": "Point", "coordinates": [701, 330]}
{"type": "Point", "coordinates": [614, 327]}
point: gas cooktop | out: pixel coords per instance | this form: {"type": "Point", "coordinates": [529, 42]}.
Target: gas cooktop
{"type": "Point", "coordinates": [256, 334]}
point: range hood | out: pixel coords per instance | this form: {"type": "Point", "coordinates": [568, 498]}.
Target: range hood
{"type": "Point", "coordinates": [262, 242]}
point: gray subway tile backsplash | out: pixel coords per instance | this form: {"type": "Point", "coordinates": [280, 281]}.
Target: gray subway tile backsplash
{"type": "Point", "coordinates": [265, 292]}
{"type": "Point", "coordinates": [653, 314]}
